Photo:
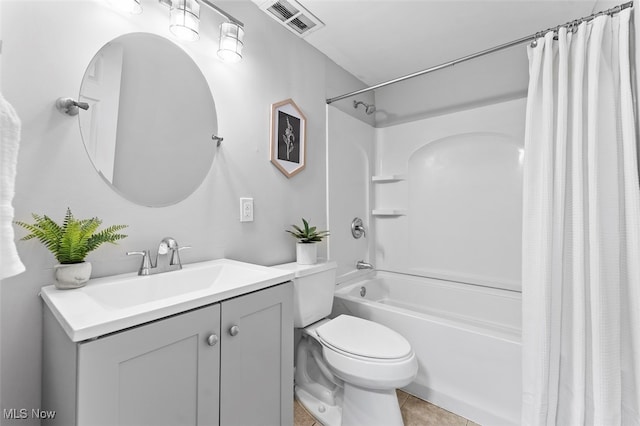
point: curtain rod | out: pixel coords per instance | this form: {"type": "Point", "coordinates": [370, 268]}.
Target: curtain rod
{"type": "Point", "coordinates": [526, 39]}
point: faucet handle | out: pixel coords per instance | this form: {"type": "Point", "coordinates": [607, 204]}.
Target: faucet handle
{"type": "Point", "coordinates": [175, 255]}
{"type": "Point", "coordinates": [145, 266]}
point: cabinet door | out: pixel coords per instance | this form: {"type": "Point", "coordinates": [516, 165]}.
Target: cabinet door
{"type": "Point", "coordinates": [256, 378]}
{"type": "Point", "coordinates": [163, 373]}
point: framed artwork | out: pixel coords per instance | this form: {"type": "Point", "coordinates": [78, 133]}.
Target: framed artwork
{"type": "Point", "coordinates": [288, 137]}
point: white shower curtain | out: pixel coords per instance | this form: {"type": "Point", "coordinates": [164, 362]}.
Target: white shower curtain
{"type": "Point", "coordinates": [581, 230]}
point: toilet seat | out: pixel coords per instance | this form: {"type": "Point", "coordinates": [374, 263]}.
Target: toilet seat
{"type": "Point", "coordinates": [372, 374]}
{"type": "Point", "coordinates": [365, 353]}
{"type": "Point", "coordinates": [363, 339]}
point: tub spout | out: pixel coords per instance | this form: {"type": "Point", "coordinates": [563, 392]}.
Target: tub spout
{"type": "Point", "coordinates": [361, 264]}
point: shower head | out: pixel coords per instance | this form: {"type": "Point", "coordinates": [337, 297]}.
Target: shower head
{"type": "Point", "coordinates": [368, 109]}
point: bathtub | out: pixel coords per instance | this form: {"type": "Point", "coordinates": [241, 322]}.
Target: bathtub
{"type": "Point", "coordinates": [466, 338]}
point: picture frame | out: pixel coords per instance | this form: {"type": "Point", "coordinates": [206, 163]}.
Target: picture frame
{"type": "Point", "coordinates": [288, 150]}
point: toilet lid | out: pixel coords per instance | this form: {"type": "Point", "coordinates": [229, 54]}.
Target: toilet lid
{"type": "Point", "coordinates": [364, 338]}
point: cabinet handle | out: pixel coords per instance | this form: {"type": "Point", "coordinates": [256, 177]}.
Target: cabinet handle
{"type": "Point", "coordinates": [234, 330]}
{"type": "Point", "coordinates": [212, 340]}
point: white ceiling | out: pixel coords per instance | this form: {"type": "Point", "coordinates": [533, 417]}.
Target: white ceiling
{"type": "Point", "coordinates": [378, 40]}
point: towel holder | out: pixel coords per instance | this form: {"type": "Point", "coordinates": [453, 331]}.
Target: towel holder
{"type": "Point", "coordinates": [70, 106]}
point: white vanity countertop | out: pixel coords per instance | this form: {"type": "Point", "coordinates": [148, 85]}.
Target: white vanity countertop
{"type": "Point", "coordinates": [109, 304]}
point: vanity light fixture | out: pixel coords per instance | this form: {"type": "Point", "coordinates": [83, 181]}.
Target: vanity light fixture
{"type": "Point", "coordinates": [185, 23]}
{"type": "Point", "coordinates": [130, 6]}
{"type": "Point", "coordinates": [185, 19]}
{"type": "Point", "coordinates": [231, 42]}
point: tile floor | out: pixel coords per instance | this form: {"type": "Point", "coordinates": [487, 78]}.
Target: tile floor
{"type": "Point", "coordinates": [415, 412]}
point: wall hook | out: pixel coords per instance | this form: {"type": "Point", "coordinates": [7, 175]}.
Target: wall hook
{"type": "Point", "coordinates": [217, 139]}
{"type": "Point", "coordinates": [69, 106]}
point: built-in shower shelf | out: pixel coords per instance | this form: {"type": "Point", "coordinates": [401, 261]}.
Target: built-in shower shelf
{"type": "Point", "coordinates": [388, 178]}
{"type": "Point", "coordinates": [389, 212]}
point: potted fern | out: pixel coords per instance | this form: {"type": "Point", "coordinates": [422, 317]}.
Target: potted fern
{"type": "Point", "coordinates": [70, 243]}
{"type": "Point", "coordinates": [307, 236]}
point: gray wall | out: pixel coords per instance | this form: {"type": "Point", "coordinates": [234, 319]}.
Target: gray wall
{"type": "Point", "coordinates": [46, 48]}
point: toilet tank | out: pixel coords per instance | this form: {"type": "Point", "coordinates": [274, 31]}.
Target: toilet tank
{"type": "Point", "coordinates": [313, 288]}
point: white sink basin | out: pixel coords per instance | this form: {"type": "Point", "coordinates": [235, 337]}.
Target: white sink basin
{"type": "Point", "coordinates": [137, 290]}
{"type": "Point", "coordinates": [110, 304]}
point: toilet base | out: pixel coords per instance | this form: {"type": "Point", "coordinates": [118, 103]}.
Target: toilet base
{"type": "Point", "coordinates": [328, 415]}
{"type": "Point", "coordinates": [370, 407]}
{"type": "Point", "coordinates": [360, 407]}
{"type": "Point", "coordinates": [334, 402]}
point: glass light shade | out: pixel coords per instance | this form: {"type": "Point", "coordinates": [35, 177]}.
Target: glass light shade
{"type": "Point", "coordinates": [231, 44]}
{"type": "Point", "coordinates": [130, 6]}
{"type": "Point", "coordinates": [185, 19]}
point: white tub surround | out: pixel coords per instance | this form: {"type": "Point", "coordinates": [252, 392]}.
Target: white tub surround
{"type": "Point", "coordinates": [447, 196]}
{"type": "Point", "coordinates": [442, 202]}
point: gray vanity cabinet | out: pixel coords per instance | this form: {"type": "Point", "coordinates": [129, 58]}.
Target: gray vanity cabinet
{"type": "Point", "coordinates": [163, 373]}
{"type": "Point", "coordinates": [230, 363]}
{"type": "Point", "coordinates": [256, 378]}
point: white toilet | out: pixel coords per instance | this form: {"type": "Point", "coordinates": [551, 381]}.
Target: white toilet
{"type": "Point", "coordinates": [347, 368]}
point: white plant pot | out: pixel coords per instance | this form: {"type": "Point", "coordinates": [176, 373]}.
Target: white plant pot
{"type": "Point", "coordinates": [306, 253]}
{"type": "Point", "coordinates": [72, 275]}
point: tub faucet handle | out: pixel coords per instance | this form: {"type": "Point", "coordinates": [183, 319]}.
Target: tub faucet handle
{"type": "Point", "coordinates": [357, 228]}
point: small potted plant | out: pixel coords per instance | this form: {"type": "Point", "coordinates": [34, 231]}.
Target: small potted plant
{"type": "Point", "coordinates": [307, 236]}
{"type": "Point", "coordinates": [70, 243]}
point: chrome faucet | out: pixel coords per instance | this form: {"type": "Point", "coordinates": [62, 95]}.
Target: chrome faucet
{"type": "Point", "coordinates": [361, 264]}
{"type": "Point", "coordinates": [167, 258]}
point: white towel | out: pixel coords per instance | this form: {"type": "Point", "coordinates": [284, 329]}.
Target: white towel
{"type": "Point", "coordinates": [10, 263]}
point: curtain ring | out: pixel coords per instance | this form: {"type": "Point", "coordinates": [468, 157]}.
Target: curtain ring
{"type": "Point", "coordinates": [534, 42]}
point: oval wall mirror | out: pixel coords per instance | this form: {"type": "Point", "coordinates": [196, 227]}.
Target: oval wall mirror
{"type": "Point", "coordinates": [149, 127]}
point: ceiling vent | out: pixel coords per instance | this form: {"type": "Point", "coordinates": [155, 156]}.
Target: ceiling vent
{"type": "Point", "coordinates": [292, 15]}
